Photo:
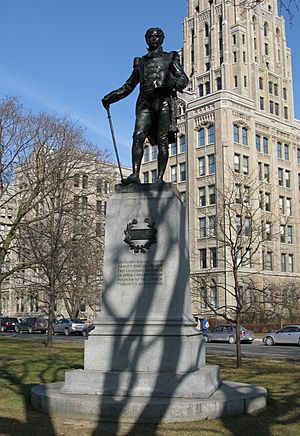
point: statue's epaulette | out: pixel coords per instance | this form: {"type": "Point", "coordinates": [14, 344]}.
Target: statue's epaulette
{"type": "Point", "coordinates": [136, 62]}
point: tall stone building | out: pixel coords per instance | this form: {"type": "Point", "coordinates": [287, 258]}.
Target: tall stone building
{"type": "Point", "coordinates": [236, 122]}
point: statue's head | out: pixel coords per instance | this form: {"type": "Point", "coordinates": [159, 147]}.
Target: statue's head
{"type": "Point", "coordinates": [154, 37]}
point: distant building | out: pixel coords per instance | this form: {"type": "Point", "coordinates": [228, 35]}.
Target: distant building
{"type": "Point", "coordinates": [89, 191]}
{"type": "Point", "coordinates": [236, 116]}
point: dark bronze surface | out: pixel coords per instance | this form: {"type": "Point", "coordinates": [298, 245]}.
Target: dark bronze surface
{"type": "Point", "coordinates": [160, 76]}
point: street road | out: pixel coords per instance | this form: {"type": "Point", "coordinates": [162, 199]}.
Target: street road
{"type": "Point", "coordinates": [256, 349]}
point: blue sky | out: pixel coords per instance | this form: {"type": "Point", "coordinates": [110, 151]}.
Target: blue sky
{"type": "Point", "coordinates": [62, 56]}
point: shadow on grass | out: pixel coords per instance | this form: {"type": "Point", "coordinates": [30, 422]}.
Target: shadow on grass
{"type": "Point", "coordinates": [18, 374]}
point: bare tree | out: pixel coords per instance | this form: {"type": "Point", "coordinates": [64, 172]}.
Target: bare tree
{"type": "Point", "coordinates": [64, 244]}
{"type": "Point", "coordinates": [243, 230]}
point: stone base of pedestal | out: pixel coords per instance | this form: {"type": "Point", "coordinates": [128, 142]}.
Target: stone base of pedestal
{"type": "Point", "coordinates": [229, 399]}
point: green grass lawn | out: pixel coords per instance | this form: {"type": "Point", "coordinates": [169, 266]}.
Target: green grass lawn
{"type": "Point", "coordinates": [26, 363]}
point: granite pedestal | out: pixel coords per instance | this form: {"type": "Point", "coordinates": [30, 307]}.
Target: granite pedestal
{"type": "Point", "coordinates": [145, 361]}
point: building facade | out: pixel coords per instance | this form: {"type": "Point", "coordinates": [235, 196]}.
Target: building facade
{"type": "Point", "coordinates": [236, 120]}
{"type": "Point", "coordinates": [89, 187]}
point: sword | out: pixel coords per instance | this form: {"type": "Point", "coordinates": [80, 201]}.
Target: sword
{"type": "Point", "coordinates": [114, 140]}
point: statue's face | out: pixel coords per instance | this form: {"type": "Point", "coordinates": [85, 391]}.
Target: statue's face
{"type": "Point", "coordinates": [154, 39]}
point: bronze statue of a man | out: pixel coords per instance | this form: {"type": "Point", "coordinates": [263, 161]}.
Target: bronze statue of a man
{"type": "Point", "coordinates": [160, 75]}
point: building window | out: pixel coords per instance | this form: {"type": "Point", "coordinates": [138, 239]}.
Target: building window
{"type": "Point", "coordinates": [268, 229]}
{"type": "Point", "coordinates": [245, 165]}
{"type": "Point", "coordinates": [289, 234]}
{"type": "Point", "coordinates": [154, 152]}
{"type": "Point", "coordinates": [76, 201]}
{"type": "Point", "coordinates": [98, 206]}
{"type": "Point", "coordinates": [290, 263]}
{"type": "Point", "coordinates": [271, 106]}
{"type": "Point", "coordinates": [261, 103]}
{"type": "Point", "coordinates": [266, 49]}
{"type": "Point", "coordinates": [85, 181]}
{"type": "Point", "coordinates": [203, 258]}
{"type": "Point", "coordinates": [212, 225]}
{"type": "Point", "coordinates": [284, 93]}
{"type": "Point", "coordinates": [213, 257]}
{"type": "Point", "coordinates": [201, 92]}
{"type": "Point", "coordinates": [257, 142]}
{"type": "Point", "coordinates": [174, 173]}
{"type": "Point", "coordinates": [269, 261]}
{"type": "Point", "coordinates": [202, 199]}
{"type": "Point", "coordinates": [211, 164]}
{"type": "Point", "coordinates": [267, 201]}
{"type": "Point", "coordinates": [84, 202]}
{"type": "Point", "coordinates": [288, 206]}
{"type": "Point", "coordinates": [266, 29]}
{"type": "Point", "coordinates": [238, 224]}
{"type": "Point", "coordinates": [287, 178]}
{"type": "Point", "coordinates": [282, 233]}
{"type": "Point", "coordinates": [213, 296]}
{"type": "Point", "coordinates": [243, 38]}
{"type": "Point", "coordinates": [267, 172]}
{"type": "Point", "coordinates": [146, 153]}
{"type": "Point", "coordinates": [211, 134]}
{"type": "Point", "coordinates": [182, 144]}
{"type": "Point", "coordinates": [203, 296]}
{"type": "Point", "coordinates": [236, 135]}
{"type": "Point", "coordinates": [286, 152]}
{"type": "Point", "coordinates": [244, 136]}
{"type": "Point", "coordinates": [234, 39]}
{"type": "Point", "coordinates": [212, 194]}
{"type": "Point", "coordinates": [153, 175]}
{"type": "Point", "coordinates": [286, 112]}
{"type": "Point", "coordinates": [298, 156]}
{"type": "Point", "coordinates": [244, 56]}
{"type": "Point", "coordinates": [247, 225]}
{"type": "Point", "coordinates": [281, 205]}
{"type": "Point", "coordinates": [283, 262]}
{"type": "Point", "coordinates": [261, 83]}
{"type": "Point", "coordinates": [76, 179]}
{"type": "Point", "coordinates": [202, 227]}
{"type": "Point", "coordinates": [182, 172]}
{"type": "Point", "coordinates": [201, 161]}
{"type": "Point", "coordinates": [207, 84]}
{"type": "Point", "coordinates": [183, 197]}
{"type": "Point", "coordinates": [265, 145]}
{"type": "Point", "coordinates": [235, 80]}
{"type": "Point", "coordinates": [234, 56]}
{"type": "Point", "coordinates": [245, 81]}
{"type": "Point", "coordinates": [99, 186]}
{"type": "Point", "coordinates": [173, 148]}
{"type": "Point", "coordinates": [276, 89]}
{"type": "Point", "coordinates": [206, 30]}
{"type": "Point", "coordinates": [218, 83]}
{"type": "Point", "coordinates": [238, 195]}
{"type": "Point", "coordinates": [279, 150]}
{"type": "Point", "coordinates": [201, 137]}
{"type": "Point", "coordinates": [146, 177]}
{"type": "Point", "coordinates": [280, 176]}
{"type": "Point", "coordinates": [206, 49]}
{"type": "Point", "coordinates": [237, 164]}
{"type": "Point", "coordinates": [277, 109]}
{"type": "Point", "coordinates": [271, 87]}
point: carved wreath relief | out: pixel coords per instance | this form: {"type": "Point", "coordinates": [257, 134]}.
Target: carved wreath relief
{"type": "Point", "coordinates": [133, 234]}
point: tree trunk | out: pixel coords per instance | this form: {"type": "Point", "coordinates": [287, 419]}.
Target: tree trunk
{"type": "Point", "coordinates": [238, 342]}
{"type": "Point", "coordinates": [51, 317]}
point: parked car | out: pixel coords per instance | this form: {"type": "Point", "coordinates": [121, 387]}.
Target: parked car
{"type": "Point", "coordinates": [289, 334]}
{"type": "Point", "coordinates": [227, 333]}
{"type": "Point", "coordinates": [32, 324]}
{"type": "Point", "coordinates": [8, 323]}
{"type": "Point", "coordinates": [69, 326]}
